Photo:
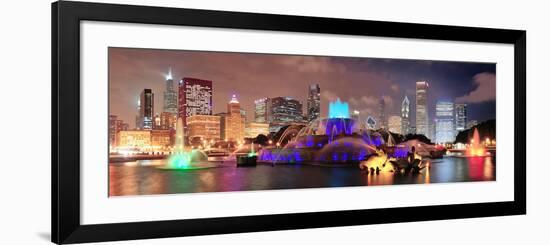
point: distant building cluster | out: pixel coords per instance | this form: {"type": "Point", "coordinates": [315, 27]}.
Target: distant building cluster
{"type": "Point", "coordinates": [191, 101]}
{"type": "Point", "coordinates": [450, 117]}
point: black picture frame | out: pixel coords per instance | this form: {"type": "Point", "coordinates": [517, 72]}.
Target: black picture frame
{"type": "Point", "coordinates": [66, 18]}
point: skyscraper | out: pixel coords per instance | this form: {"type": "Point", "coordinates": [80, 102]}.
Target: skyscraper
{"type": "Point", "coordinates": [146, 108]}
{"type": "Point", "coordinates": [461, 117]}
{"type": "Point", "coordinates": [168, 120]}
{"type": "Point", "coordinates": [382, 113]}
{"type": "Point", "coordinates": [431, 130]}
{"type": "Point", "coordinates": [313, 102]}
{"type": "Point", "coordinates": [170, 95]}
{"type": "Point", "coordinates": [243, 113]}
{"type": "Point", "coordinates": [234, 121]}
{"type": "Point", "coordinates": [444, 122]}
{"type": "Point", "coordinates": [395, 124]}
{"type": "Point", "coordinates": [222, 116]}
{"type": "Point", "coordinates": [261, 110]}
{"type": "Point", "coordinates": [422, 108]}
{"type": "Point", "coordinates": [194, 98]}
{"type": "Point", "coordinates": [405, 116]}
{"type": "Point", "coordinates": [138, 118]}
{"type": "Point", "coordinates": [203, 127]}
{"type": "Point", "coordinates": [284, 111]}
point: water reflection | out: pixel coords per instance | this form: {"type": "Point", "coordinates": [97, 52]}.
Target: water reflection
{"type": "Point", "coordinates": [142, 177]}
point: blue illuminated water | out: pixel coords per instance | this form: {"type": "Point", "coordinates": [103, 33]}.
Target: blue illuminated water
{"type": "Point", "coordinates": [338, 109]}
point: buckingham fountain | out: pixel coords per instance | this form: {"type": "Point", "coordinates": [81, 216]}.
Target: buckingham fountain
{"type": "Point", "coordinates": [336, 140]}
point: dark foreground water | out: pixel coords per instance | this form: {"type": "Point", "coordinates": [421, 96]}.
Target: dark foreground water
{"type": "Point", "coordinates": [144, 177]}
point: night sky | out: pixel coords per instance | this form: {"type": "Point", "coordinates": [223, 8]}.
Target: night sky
{"type": "Point", "coordinates": [359, 81]}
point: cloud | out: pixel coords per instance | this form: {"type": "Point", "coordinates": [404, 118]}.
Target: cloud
{"type": "Point", "coordinates": [394, 88]}
{"type": "Point", "coordinates": [310, 64]}
{"type": "Point", "coordinates": [370, 100]}
{"type": "Point", "coordinates": [388, 101]}
{"type": "Point", "coordinates": [354, 102]}
{"type": "Point", "coordinates": [485, 89]}
{"type": "Point", "coordinates": [328, 95]}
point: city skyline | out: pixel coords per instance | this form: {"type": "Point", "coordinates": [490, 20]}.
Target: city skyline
{"type": "Point", "coordinates": [377, 78]}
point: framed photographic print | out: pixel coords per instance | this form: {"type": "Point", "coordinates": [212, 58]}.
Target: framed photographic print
{"type": "Point", "coordinates": [176, 122]}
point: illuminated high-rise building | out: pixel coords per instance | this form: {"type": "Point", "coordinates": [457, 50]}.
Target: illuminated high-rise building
{"type": "Point", "coordinates": [422, 120]}
{"type": "Point", "coordinates": [115, 125]}
{"type": "Point", "coordinates": [253, 129]}
{"type": "Point", "coordinates": [284, 111]}
{"type": "Point", "coordinates": [382, 113]}
{"type": "Point", "coordinates": [204, 127]}
{"type": "Point", "coordinates": [313, 102]}
{"type": "Point", "coordinates": [146, 109]}
{"type": "Point", "coordinates": [261, 110]}
{"type": "Point", "coordinates": [222, 116]}
{"type": "Point", "coordinates": [405, 116]}
{"type": "Point", "coordinates": [234, 121]}
{"type": "Point", "coordinates": [170, 95]}
{"type": "Point", "coordinates": [168, 120]}
{"type": "Point", "coordinates": [444, 122]}
{"type": "Point", "coordinates": [194, 98]}
{"type": "Point", "coordinates": [138, 118]}
{"type": "Point", "coordinates": [461, 117]}
{"type": "Point", "coordinates": [395, 124]}
{"type": "Point", "coordinates": [431, 130]}
{"type": "Point", "coordinates": [243, 113]}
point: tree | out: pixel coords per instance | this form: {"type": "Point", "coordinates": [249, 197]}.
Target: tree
{"type": "Point", "coordinates": [486, 129]}
{"type": "Point", "coordinates": [420, 137]}
{"type": "Point", "coordinates": [261, 139]}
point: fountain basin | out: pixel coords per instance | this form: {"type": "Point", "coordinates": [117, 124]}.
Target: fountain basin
{"type": "Point", "coordinates": [188, 160]}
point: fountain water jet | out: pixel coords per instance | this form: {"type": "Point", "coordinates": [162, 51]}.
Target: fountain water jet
{"type": "Point", "coordinates": [183, 159]}
{"type": "Point", "coordinates": [476, 149]}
